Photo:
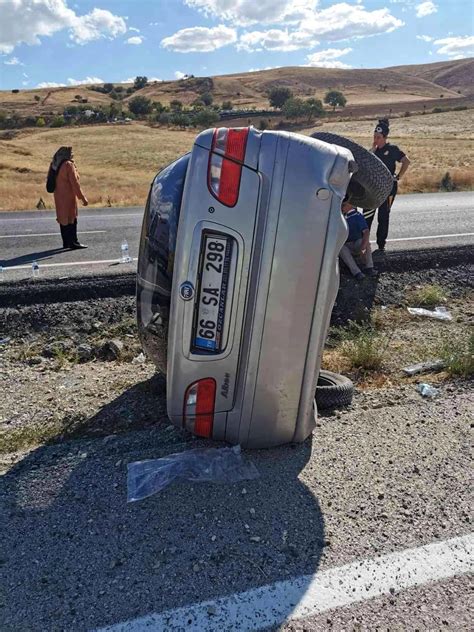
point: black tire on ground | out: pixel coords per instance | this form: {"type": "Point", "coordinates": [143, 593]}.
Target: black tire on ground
{"type": "Point", "coordinates": [333, 390]}
{"type": "Point", "coordinates": [370, 186]}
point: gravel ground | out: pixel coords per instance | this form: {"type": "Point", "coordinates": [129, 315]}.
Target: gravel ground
{"type": "Point", "coordinates": [388, 473]}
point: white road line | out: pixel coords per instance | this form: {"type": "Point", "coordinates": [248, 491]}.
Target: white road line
{"type": "Point", "coordinates": [310, 595]}
{"type": "Point", "coordinates": [431, 237]}
{"type": "Point", "coordinates": [82, 232]}
{"type": "Point", "coordinates": [65, 264]}
{"type": "Point", "coordinates": [53, 217]}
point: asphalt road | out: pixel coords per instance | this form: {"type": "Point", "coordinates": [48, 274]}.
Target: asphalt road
{"type": "Point", "coordinates": [431, 219]}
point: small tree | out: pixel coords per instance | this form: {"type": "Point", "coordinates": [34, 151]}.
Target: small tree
{"type": "Point", "coordinates": [140, 82]}
{"type": "Point", "coordinates": [278, 96]}
{"type": "Point", "coordinates": [176, 106]}
{"type": "Point", "coordinates": [108, 87]}
{"type": "Point", "coordinates": [207, 98]}
{"type": "Point", "coordinates": [295, 108]}
{"type": "Point", "coordinates": [227, 105]}
{"type": "Point", "coordinates": [335, 98]}
{"type": "Point", "coordinates": [206, 118]}
{"type": "Point", "coordinates": [315, 108]}
{"type": "Point", "coordinates": [140, 106]}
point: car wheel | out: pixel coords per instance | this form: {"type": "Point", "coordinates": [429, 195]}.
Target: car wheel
{"type": "Point", "coordinates": [370, 186]}
{"type": "Point", "coordinates": [333, 390]}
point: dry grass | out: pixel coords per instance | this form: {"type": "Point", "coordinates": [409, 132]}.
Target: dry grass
{"type": "Point", "coordinates": [435, 144]}
{"type": "Point", "coordinates": [426, 296]}
{"type": "Point", "coordinates": [115, 163]}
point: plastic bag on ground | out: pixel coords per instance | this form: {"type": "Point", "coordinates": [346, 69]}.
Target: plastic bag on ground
{"type": "Point", "coordinates": [440, 313]}
{"type": "Point", "coordinates": [427, 390]}
{"type": "Point", "coordinates": [216, 465]}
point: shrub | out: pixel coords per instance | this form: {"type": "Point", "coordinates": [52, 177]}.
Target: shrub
{"type": "Point", "coordinates": [37, 98]}
{"type": "Point", "coordinates": [206, 118]}
{"type": "Point", "coordinates": [407, 114]}
{"type": "Point", "coordinates": [437, 110]}
{"type": "Point", "coordinates": [458, 108]}
{"type": "Point", "coordinates": [447, 183]}
{"type": "Point", "coordinates": [163, 118]}
{"type": "Point", "coordinates": [40, 122]}
{"type": "Point", "coordinates": [176, 106]}
{"type": "Point", "coordinates": [15, 91]}
{"type": "Point", "coordinates": [58, 121]}
{"type": "Point", "coordinates": [130, 90]}
{"type": "Point", "coordinates": [180, 119]}
{"type": "Point", "coordinates": [262, 124]}
{"type": "Point", "coordinates": [207, 99]}
{"type": "Point", "coordinates": [140, 105]}
{"type": "Point", "coordinates": [108, 87]}
{"type": "Point", "coordinates": [227, 105]}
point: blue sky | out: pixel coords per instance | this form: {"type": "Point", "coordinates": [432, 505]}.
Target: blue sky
{"type": "Point", "coordinates": [61, 42]}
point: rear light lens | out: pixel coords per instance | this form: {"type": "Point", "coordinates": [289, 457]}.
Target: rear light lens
{"type": "Point", "coordinates": [225, 163]}
{"type": "Point", "coordinates": [199, 405]}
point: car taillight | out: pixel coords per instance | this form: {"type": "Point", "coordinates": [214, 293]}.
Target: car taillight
{"type": "Point", "coordinates": [225, 163]}
{"type": "Point", "coordinates": [199, 406]}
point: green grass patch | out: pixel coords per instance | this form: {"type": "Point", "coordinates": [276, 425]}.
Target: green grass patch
{"type": "Point", "coordinates": [363, 346]}
{"type": "Point", "coordinates": [427, 296]}
{"type": "Point", "coordinates": [458, 354]}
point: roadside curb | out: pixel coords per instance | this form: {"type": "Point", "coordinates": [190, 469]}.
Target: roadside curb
{"type": "Point", "coordinates": [51, 290]}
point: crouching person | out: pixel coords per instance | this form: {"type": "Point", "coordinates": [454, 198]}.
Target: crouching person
{"type": "Point", "coordinates": [357, 244]}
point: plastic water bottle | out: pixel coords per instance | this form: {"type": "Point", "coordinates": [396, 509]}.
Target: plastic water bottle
{"type": "Point", "coordinates": [125, 256]}
{"type": "Point", "coordinates": [35, 269]}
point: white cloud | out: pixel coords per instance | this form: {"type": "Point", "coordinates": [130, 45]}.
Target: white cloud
{"type": "Point", "coordinates": [135, 41]}
{"type": "Point", "coordinates": [132, 28]}
{"type": "Point", "coordinates": [424, 38]}
{"type": "Point", "coordinates": [84, 82]}
{"type": "Point", "coordinates": [50, 84]}
{"type": "Point", "coordinates": [339, 22]}
{"type": "Point", "coordinates": [26, 21]}
{"type": "Point", "coordinates": [247, 12]}
{"type": "Point", "coordinates": [456, 47]}
{"type": "Point", "coordinates": [25, 83]}
{"type": "Point", "coordinates": [200, 39]}
{"type": "Point", "coordinates": [327, 58]}
{"type": "Point", "coordinates": [14, 61]}
{"type": "Point", "coordinates": [151, 79]}
{"type": "Point", "coordinates": [25, 75]}
{"type": "Point", "coordinates": [277, 40]}
{"type": "Point", "coordinates": [179, 75]}
{"type": "Point", "coordinates": [425, 8]}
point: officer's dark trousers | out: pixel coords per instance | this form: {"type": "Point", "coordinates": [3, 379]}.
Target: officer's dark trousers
{"type": "Point", "coordinates": [69, 234]}
{"type": "Point", "coordinates": [383, 217]}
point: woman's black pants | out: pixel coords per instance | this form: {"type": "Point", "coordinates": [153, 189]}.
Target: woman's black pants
{"type": "Point", "coordinates": [69, 234]}
{"type": "Point", "coordinates": [383, 217]}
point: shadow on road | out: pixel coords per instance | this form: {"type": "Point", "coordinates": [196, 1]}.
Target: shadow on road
{"type": "Point", "coordinates": [77, 556]}
{"type": "Point", "coordinates": [29, 258]}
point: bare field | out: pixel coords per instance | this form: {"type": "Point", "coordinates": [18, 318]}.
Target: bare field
{"type": "Point", "coordinates": [117, 163]}
{"type": "Point", "coordinates": [435, 144]}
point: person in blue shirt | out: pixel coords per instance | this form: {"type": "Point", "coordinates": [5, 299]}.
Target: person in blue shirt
{"type": "Point", "coordinates": [357, 244]}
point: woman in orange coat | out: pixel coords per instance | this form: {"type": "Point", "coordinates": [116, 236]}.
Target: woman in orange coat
{"type": "Point", "coordinates": [66, 191]}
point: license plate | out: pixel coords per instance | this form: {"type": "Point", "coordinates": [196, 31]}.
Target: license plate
{"type": "Point", "coordinates": [213, 293]}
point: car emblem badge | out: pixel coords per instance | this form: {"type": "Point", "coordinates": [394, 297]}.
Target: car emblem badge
{"type": "Point", "coordinates": [186, 291]}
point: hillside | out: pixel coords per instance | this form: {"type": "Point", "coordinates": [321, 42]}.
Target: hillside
{"type": "Point", "coordinates": [454, 75]}
{"type": "Point", "coordinates": [362, 87]}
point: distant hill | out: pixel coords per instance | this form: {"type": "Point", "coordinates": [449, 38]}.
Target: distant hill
{"type": "Point", "coordinates": [363, 88]}
{"type": "Point", "coordinates": [454, 75]}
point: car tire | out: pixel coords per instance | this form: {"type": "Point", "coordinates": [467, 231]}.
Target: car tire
{"type": "Point", "coordinates": [372, 183]}
{"type": "Point", "coordinates": [333, 390]}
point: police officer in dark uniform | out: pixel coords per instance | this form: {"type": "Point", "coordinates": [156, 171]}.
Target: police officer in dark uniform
{"type": "Point", "coordinates": [389, 154]}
